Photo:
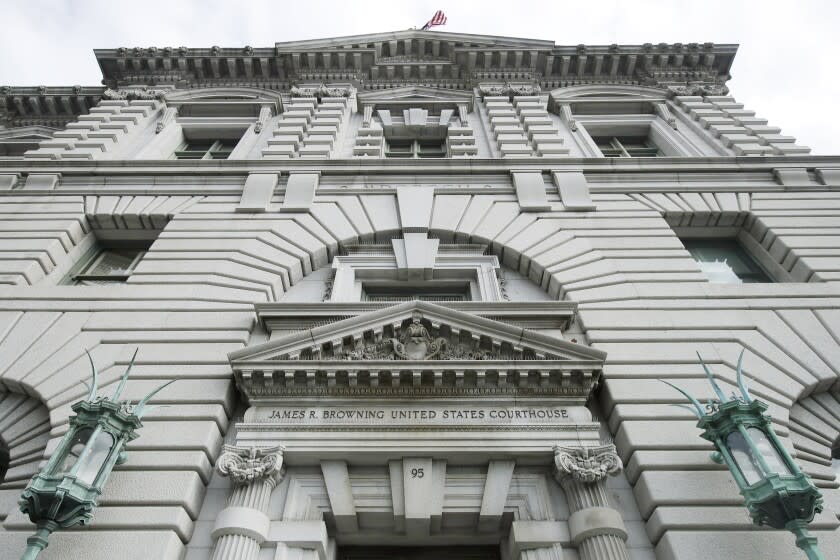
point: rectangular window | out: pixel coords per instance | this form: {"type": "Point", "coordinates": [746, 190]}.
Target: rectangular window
{"type": "Point", "coordinates": [107, 266]}
{"type": "Point", "coordinates": [411, 149]}
{"type": "Point", "coordinates": [627, 146]}
{"type": "Point", "coordinates": [724, 261]}
{"type": "Point", "coordinates": [395, 292]}
{"type": "Point", "coordinates": [206, 149]}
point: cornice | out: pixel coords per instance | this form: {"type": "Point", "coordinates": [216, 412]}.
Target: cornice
{"type": "Point", "coordinates": [424, 167]}
{"type": "Point", "coordinates": [538, 314]}
{"type": "Point", "coordinates": [448, 60]}
{"type": "Point", "coordinates": [46, 106]}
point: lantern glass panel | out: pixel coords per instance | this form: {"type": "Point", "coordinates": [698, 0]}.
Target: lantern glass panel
{"type": "Point", "coordinates": [771, 455]}
{"type": "Point", "coordinates": [96, 457]}
{"type": "Point", "coordinates": [74, 449]}
{"type": "Point", "coordinates": [743, 456]}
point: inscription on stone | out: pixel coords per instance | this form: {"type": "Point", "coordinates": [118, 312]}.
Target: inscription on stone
{"type": "Point", "coordinates": [433, 415]}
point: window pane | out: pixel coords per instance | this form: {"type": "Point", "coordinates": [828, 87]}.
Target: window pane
{"type": "Point", "coordinates": [724, 261]}
{"type": "Point", "coordinates": [92, 462]}
{"type": "Point", "coordinates": [768, 451]}
{"type": "Point", "coordinates": [109, 265]}
{"type": "Point", "coordinates": [743, 457]}
{"type": "Point", "coordinates": [197, 146]}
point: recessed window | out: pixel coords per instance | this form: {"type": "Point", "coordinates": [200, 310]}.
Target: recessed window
{"type": "Point", "coordinates": [106, 266]}
{"type": "Point", "coordinates": [206, 149]}
{"type": "Point", "coordinates": [415, 149]}
{"type": "Point", "coordinates": [408, 292]}
{"type": "Point", "coordinates": [724, 261]}
{"type": "Point", "coordinates": [627, 146]}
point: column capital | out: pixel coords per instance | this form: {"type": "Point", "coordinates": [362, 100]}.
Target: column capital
{"type": "Point", "coordinates": [246, 465]}
{"type": "Point", "coordinates": [586, 464]}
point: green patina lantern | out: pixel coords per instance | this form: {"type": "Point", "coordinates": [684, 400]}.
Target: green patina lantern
{"type": "Point", "coordinates": [776, 492]}
{"type": "Point", "coordinates": [66, 491]}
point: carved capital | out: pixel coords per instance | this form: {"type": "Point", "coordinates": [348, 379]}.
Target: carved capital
{"type": "Point", "coordinates": [246, 465]}
{"type": "Point", "coordinates": [587, 465]}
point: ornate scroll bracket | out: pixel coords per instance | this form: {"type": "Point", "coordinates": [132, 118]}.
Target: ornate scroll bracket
{"type": "Point", "coordinates": [246, 465]}
{"type": "Point", "coordinates": [662, 110]}
{"type": "Point", "coordinates": [587, 465]}
{"type": "Point", "coordinates": [169, 115]}
{"type": "Point", "coordinates": [265, 114]}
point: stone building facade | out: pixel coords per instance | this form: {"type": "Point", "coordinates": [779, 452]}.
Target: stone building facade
{"type": "Point", "coordinates": [418, 290]}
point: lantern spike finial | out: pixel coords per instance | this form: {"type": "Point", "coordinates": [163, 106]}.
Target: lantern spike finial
{"type": "Point", "coordinates": [739, 376]}
{"type": "Point", "coordinates": [94, 384]}
{"type": "Point", "coordinates": [698, 409]}
{"type": "Point", "coordinates": [141, 406]}
{"type": "Point", "coordinates": [711, 378]}
{"type": "Point", "coordinates": [121, 386]}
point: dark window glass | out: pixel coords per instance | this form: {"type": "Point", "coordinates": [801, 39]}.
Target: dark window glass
{"type": "Point", "coordinates": [108, 266]}
{"type": "Point", "coordinates": [626, 146]}
{"type": "Point", "coordinates": [207, 149]}
{"type": "Point", "coordinates": [725, 262]}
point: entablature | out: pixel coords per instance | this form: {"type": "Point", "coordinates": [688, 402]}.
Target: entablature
{"type": "Point", "coordinates": [529, 315]}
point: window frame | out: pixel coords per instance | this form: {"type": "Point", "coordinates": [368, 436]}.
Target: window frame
{"type": "Point", "coordinates": [217, 146]}
{"type": "Point", "coordinates": [667, 140]}
{"type": "Point", "coordinates": [415, 148]}
{"type": "Point", "coordinates": [622, 146]}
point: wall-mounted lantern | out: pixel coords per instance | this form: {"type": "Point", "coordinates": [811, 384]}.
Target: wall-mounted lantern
{"type": "Point", "coordinates": [776, 492]}
{"type": "Point", "coordinates": [66, 491]}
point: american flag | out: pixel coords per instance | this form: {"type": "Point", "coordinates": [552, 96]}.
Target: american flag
{"type": "Point", "coordinates": [438, 19]}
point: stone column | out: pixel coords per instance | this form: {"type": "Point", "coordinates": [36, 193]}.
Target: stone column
{"type": "Point", "coordinates": [595, 526]}
{"type": "Point", "coordinates": [243, 525]}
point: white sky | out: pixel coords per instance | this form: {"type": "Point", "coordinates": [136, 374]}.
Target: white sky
{"type": "Point", "coordinates": [785, 69]}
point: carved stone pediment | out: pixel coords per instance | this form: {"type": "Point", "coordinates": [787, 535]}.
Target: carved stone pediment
{"type": "Point", "coordinates": [417, 345]}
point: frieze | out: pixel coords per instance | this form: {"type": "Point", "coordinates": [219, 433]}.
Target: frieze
{"type": "Point", "coordinates": [430, 414]}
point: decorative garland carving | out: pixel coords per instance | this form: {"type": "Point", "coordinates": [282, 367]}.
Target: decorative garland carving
{"type": "Point", "coordinates": [698, 88]}
{"type": "Point", "coordinates": [133, 94]}
{"type": "Point", "coordinates": [320, 91]}
{"type": "Point", "coordinates": [246, 465]}
{"type": "Point", "coordinates": [587, 465]}
{"type": "Point", "coordinates": [508, 89]}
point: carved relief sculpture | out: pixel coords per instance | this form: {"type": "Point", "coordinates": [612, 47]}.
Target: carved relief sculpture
{"type": "Point", "coordinates": [416, 343]}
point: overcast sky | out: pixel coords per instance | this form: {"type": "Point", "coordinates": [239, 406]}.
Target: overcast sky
{"type": "Point", "coordinates": [785, 69]}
